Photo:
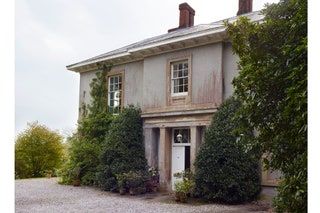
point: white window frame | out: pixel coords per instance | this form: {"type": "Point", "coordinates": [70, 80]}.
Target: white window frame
{"type": "Point", "coordinates": [185, 61]}
{"type": "Point", "coordinates": [114, 91]}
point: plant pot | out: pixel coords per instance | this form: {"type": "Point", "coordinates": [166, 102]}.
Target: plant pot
{"type": "Point", "coordinates": [180, 197]}
{"type": "Point", "coordinates": [122, 191]}
{"type": "Point", "coordinates": [137, 190]}
{"type": "Point", "coordinates": [183, 198]}
{"type": "Point", "coordinates": [133, 191]}
{"type": "Point", "coordinates": [177, 197]}
{"type": "Point", "coordinates": [76, 182]}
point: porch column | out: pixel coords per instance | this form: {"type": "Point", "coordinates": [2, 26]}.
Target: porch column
{"type": "Point", "coordinates": [151, 146]}
{"type": "Point", "coordinates": [164, 158]}
{"type": "Point", "coordinates": [195, 140]}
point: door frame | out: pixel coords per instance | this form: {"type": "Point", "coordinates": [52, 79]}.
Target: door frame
{"type": "Point", "coordinates": [178, 145]}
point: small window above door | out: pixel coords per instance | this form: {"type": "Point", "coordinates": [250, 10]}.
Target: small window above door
{"type": "Point", "coordinates": [181, 136]}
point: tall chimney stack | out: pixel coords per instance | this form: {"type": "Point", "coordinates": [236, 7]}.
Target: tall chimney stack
{"type": "Point", "coordinates": [245, 6]}
{"type": "Point", "coordinates": [186, 18]}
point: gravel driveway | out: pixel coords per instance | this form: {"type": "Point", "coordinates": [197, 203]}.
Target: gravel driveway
{"type": "Point", "coordinates": [46, 195]}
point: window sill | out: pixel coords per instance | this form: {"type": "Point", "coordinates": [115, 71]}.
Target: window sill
{"type": "Point", "coordinates": [179, 95]}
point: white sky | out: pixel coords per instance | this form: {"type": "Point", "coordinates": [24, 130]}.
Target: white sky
{"type": "Point", "coordinates": [55, 33]}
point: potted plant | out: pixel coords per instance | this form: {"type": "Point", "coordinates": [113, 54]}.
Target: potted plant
{"type": "Point", "coordinates": [136, 183]}
{"type": "Point", "coordinates": [152, 183]}
{"type": "Point", "coordinates": [183, 188]}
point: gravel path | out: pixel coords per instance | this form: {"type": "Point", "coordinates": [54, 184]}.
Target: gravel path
{"type": "Point", "coordinates": [46, 195]}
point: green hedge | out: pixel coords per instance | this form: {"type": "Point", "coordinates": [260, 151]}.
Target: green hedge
{"type": "Point", "coordinates": [124, 148]}
{"type": "Point", "coordinates": [224, 171]}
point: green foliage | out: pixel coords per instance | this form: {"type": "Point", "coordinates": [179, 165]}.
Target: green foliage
{"type": "Point", "coordinates": [124, 150]}
{"type": "Point", "coordinates": [185, 187]}
{"type": "Point", "coordinates": [132, 179]}
{"type": "Point", "coordinates": [38, 151]}
{"type": "Point", "coordinates": [272, 84]}
{"type": "Point", "coordinates": [86, 144]}
{"type": "Point", "coordinates": [226, 171]}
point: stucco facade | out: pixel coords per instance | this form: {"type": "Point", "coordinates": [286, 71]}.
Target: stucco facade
{"type": "Point", "coordinates": [147, 81]}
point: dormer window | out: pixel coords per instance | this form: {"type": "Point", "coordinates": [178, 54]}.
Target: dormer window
{"type": "Point", "coordinates": [179, 78]}
{"type": "Point", "coordinates": [114, 93]}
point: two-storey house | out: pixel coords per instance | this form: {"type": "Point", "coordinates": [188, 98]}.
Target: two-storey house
{"type": "Point", "coordinates": [178, 79]}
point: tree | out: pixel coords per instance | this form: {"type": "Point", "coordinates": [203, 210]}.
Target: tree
{"type": "Point", "coordinates": [124, 149]}
{"type": "Point", "coordinates": [37, 150]}
{"type": "Point", "coordinates": [225, 171]}
{"type": "Point", "coordinates": [272, 84]}
{"type": "Point", "coordinates": [86, 144]}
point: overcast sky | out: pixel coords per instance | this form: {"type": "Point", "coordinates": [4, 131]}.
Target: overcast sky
{"type": "Point", "coordinates": [54, 33]}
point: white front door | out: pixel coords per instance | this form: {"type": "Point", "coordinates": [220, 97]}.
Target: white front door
{"type": "Point", "coordinates": [180, 152]}
{"type": "Point", "coordinates": [177, 162]}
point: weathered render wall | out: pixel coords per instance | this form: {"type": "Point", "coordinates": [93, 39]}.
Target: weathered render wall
{"type": "Point", "coordinates": [132, 83]}
{"type": "Point", "coordinates": [133, 89]}
{"type": "Point", "coordinates": [230, 69]}
{"type": "Point", "coordinates": [145, 82]}
{"type": "Point", "coordinates": [206, 71]}
{"type": "Point", "coordinates": [207, 74]}
{"type": "Point", "coordinates": [85, 80]}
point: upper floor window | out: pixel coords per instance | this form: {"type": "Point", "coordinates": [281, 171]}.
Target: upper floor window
{"type": "Point", "coordinates": [179, 78]}
{"type": "Point", "coordinates": [114, 93]}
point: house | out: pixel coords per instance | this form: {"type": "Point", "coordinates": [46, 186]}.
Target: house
{"type": "Point", "coordinates": [178, 79]}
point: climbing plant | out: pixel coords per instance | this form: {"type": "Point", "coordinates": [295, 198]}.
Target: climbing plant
{"type": "Point", "coordinates": [86, 143]}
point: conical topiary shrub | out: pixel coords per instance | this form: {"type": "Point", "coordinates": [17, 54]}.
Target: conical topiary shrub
{"type": "Point", "coordinates": [124, 148]}
{"type": "Point", "coordinates": [224, 170]}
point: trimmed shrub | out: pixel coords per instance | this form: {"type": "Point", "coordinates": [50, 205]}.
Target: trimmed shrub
{"type": "Point", "coordinates": [224, 170]}
{"type": "Point", "coordinates": [124, 150]}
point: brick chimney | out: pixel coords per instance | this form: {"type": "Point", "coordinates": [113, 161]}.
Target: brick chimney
{"type": "Point", "coordinates": [245, 6]}
{"type": "Point", "coordinates": [186, 18]}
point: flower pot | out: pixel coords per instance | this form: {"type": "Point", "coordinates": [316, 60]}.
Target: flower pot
{"type": "Point", "coordinates": [122, 191]}
{"type": "Point", "coordinates": [76, 182]}
{"type": "Point", "coordinates": [177, 197]}
{"type": "Point", "coordinates": [180, 197]}
{"type": "Point", "coordinates": [183, 198]}
{"type": "Point", "coordinates": [133, 191]}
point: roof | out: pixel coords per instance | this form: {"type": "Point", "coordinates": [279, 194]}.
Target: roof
{"type": "Point", "coordinates": [194, 32]}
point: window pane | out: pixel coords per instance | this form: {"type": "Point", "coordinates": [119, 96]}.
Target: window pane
{"type": "Point", "coordinates": [111, 80]}
{"type": "Point", "coordinates": [116, 79]}
{"type": "Point", "coordinates": [185, 88]}
{"type": "Point", "coordinates": [185, 136]}
{"type": "Point", "coordinates": [179, 73]}
{"type": "Point", "coordinates": [111, 95]}
{"type": "Point", "coordinates": [116, 87]}
{"type": "Point", "coordinates": [176, 89]}
{"type": "Point", "coordinates": [175, 82]}
{"type": "Point", "coordinates": [180, 81]}
{"type": "Point", "coordinates": [181, 88]}
{"type": "Point", "coordinates": [185, 72]}
{"type": "Point", "coordinates": [180, 66]}
{"type": "Point", "coordinates": [175, 67]}
{"type": "Point", "coordinates": [120, 86]}
{"type": "Point", "coordinates": [185, 81]}
{"type": "Point", "coordinates": [175, 74]}
{"type": "Point", "coordinates": [111, 87]}
{"type": "Point", "coordinates": [185, 65]}
{"type": "Point", "coordinates": [116, 103]}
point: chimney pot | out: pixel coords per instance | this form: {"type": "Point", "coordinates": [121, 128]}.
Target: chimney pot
{"type": "Point", "coordinates": [245, 6]}
{"type": "Point", "coordinates": [186, 18]}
